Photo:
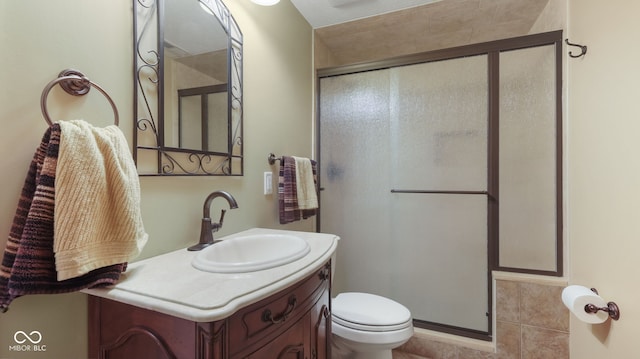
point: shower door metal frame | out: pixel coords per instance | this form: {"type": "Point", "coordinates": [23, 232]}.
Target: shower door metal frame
{"type": "Point", "coordinates": [492, 49]}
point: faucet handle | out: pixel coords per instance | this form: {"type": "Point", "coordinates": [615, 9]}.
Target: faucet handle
{"type": "Point", "coordinates": [222, 217]}
{"type": "Point", "coordinates": [216, 226]}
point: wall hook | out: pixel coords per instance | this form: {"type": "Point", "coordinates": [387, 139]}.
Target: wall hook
{"type": "Point", "coordinates": [583, 49]}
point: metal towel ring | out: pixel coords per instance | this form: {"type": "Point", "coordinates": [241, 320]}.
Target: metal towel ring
{"type": "Point", "coordinates": [74, 83]}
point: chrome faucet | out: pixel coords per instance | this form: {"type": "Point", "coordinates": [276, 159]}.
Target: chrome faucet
{"type": "Point", "coordinates": [207, 228]}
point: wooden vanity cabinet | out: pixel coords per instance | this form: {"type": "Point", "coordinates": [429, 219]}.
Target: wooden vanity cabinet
{"type": "Point", "coordinates": [293, 323]}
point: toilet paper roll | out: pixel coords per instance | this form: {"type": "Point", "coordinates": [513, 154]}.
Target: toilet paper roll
{"type": "Point", "coordinates": [575, 297]}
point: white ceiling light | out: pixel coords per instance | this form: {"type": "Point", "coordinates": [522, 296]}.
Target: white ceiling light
{"type": "Point", "coordinates": [265, 2]}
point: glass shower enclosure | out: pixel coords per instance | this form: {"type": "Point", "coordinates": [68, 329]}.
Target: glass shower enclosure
{"type": "Point", "coordinates": [438, 168]}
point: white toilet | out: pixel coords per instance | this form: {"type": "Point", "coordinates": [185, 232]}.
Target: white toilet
{"type": "Point", "coordinates": [368, 326]}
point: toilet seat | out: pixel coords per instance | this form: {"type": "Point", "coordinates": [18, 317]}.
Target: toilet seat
{"type": "Point", "coordinates": [369, 312]}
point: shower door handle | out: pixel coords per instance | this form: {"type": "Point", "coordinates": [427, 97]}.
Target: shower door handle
{"type": "Point", "coordinates": [418, 191]}
{"type": "Point", "coordinates": [436, 192]}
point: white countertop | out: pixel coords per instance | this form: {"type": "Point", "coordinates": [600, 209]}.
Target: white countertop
{"type": "Point", "coordinates": [169, 284]}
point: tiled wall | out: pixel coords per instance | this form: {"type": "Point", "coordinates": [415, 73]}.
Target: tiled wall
{"type": "Point", "coordinates": [531, 323]}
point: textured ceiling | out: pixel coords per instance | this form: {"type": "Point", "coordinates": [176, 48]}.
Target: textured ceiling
{"type": "Point", "coordinates": [443, 24]}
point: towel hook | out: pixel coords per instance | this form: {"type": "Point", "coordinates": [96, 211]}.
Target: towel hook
{"type": "Point", "coordinates": [74, 83]}
{"type": "Point", "coordinates": [583, 49]}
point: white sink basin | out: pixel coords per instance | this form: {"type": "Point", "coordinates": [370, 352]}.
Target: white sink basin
{"type": "Point", "coordinates": [251, 253]}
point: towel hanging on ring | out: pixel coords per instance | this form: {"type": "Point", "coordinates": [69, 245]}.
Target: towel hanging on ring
{"type": "Point", "coordinates": [97, 214]}
{"type": "Point", "coordinates": [28, 264]}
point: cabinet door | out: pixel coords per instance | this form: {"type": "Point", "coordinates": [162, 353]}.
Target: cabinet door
{"type": "Point", "coordinates": [291, 344]}
{"type": "Point", "coordinates": [321, 317]}
{"type": "Point", "coordinates": [321, 328]}
{"type": "Point", "coordinates": [119, 330]}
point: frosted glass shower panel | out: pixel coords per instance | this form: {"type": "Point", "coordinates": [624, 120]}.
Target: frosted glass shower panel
{"type": "Point", "coordinates": [218, 131]}
{"type": "Point", "coordinates": [439, 125]}
{"type": "Point", "coordinates": [354, 154]}
{"type": "Point", "coordinates": [190, 131]}
{"type": "Point", "coordinates": [439, 259]}
{"type": "Point", "coordinates": [528, 159]}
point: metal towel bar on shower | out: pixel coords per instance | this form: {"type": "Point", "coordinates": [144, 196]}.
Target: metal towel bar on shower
{"type": "Point", "coordinates": [74, 83]}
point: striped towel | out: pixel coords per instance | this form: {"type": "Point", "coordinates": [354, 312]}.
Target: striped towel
{"type": "Point", "coordinates": [28, 265]}
{"type": "Point", "coordinates": [289, 210]}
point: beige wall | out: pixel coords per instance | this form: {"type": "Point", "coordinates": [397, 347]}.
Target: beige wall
{"type": "Point", "coordinates": [604, 171]}
{"type": "Point", "coordinates": [38, 39]}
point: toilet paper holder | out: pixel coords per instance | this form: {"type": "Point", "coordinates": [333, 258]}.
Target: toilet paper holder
{"type": "Point", "coordinates": [611, 308]}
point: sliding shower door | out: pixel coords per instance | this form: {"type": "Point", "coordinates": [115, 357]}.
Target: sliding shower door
{"type": "Point", "coordinates": [403, 154]}
{"type": "Point", "coordinates": [356, 200]}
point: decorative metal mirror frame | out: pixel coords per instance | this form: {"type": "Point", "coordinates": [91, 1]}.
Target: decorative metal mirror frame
{"type": "Point", "coordinates": [149, 111]}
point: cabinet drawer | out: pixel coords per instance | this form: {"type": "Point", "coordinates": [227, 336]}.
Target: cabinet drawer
{"type": "Point", "coordinates": [263, 321]}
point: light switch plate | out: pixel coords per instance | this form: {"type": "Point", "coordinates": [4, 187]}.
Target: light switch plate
{"type": "Point", "coordinates": [268, 183]}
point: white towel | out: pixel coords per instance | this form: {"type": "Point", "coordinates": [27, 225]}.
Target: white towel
{"type": "Point", "coordinates": [305, 186]}
{"type": "Point", "coordinates": [97, 220]}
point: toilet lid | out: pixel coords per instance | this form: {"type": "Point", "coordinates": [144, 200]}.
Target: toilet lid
{"type": "Point", "coordinates": [369, 312]}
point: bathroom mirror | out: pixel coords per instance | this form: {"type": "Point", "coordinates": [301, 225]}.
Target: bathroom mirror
{"type": "Point", "coordinates": [188, 89]}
